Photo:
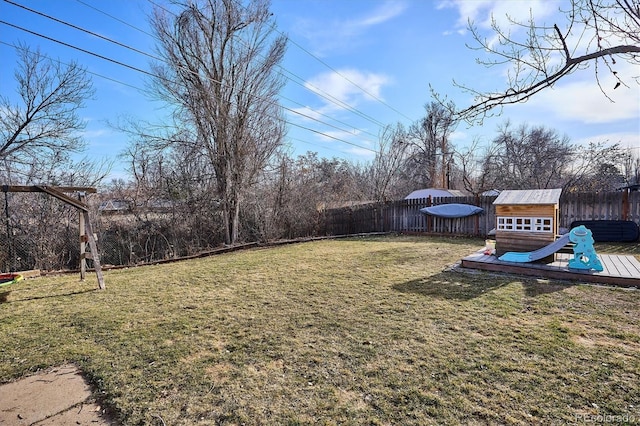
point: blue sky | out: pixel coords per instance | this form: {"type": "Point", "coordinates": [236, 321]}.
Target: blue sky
{"type": "Point", "coordinates": [374, 59]}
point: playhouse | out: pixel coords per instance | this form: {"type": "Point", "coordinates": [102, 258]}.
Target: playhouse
{"type": "Point", "coordinates": [527, 220]}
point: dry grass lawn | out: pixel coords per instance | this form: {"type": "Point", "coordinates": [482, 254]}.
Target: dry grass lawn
{"type": "Point", "coordinates": [362, 331]}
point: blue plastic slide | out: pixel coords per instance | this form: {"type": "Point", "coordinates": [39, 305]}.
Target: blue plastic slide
{"type": "Point", "coordinates": [584, 254]}
{"type": "Point", "coordinates": [532, 256]}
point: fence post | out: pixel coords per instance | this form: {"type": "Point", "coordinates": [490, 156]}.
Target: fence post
{"type": "Point", "coordinates": [476, 218]}
{"type": "Point", "coordinates": [625, 204]}
{"type": "Point", "coordinates": [83, 238]}
{"type": "Point", "coordinates": [429, 217]}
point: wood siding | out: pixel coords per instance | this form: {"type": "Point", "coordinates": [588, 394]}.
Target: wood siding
{"type": "Point", "coordinates": [526, 210]}
{"type": "Point", "coordinates": [522, 241]}
{"type": "Point", "coordinates": [526, 241]}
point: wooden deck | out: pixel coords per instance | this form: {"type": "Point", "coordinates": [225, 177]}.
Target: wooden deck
{"type": "Point", "coordinates": [619, 270]}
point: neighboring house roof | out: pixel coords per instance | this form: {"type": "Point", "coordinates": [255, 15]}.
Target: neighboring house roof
{"type": "Point", "coordinates": [434, 192]}
{"type": "Point", "coordinates": [114, 205]}
{"type": "Point", "coordinates": [529, 196]}
{"type": "Point", "coordinates": [155, 204]}
{"type": "Point", "coordinates": [633, 187]}
{"type": "Point", "coordinates": [341, 204]}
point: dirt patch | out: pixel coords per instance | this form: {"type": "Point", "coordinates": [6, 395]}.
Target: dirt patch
{"type": "Point", "coordinates": [58, 396]}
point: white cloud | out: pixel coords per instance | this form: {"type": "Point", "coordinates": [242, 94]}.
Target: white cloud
{"type": "Point", "coordinates": [97, 133]}
{"type": "Point", "coordinates": [583, 100]}
{"type": "Point", "coordinates": [360, 152]}
{"type": "Point", "coordinates": [348, 86]}
{"type": "Point", "coordinates": [349, 142]}
{"type": "Point", "coordinates": [344, 34]}
{"type": "Point", "coordinates": [467, 10]}
{"type": "Point", "coordinates": [305, 113]}
{"type": "Point", "coordinates": [338, 135]}
{"type": "Point", "coordinates": [458, 135]}
{"type": "Point", "coordinates": [385, 12]}
{"type": "Point", "coordinates": [482, 12]}
{"type": "Point", "coordinates": [626, 140]}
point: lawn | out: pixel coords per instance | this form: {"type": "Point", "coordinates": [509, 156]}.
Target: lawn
{"type": "Point", "coordinates": [362, 331]}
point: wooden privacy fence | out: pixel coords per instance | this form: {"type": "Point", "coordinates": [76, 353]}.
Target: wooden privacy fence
{"type": "Point", "coordinates": [619, 205]}
{"type": "Point", "coordinates": [405, 216]}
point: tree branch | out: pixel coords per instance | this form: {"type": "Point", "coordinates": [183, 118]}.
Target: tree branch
{"type": "Point", "coordinates": [532, 63]}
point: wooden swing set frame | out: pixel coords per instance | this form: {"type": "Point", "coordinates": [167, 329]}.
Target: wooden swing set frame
{"type": "Point", "coordinates": [86, 230]}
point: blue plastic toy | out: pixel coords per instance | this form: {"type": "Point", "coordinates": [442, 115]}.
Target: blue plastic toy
{"type": "Point", "coordinates": [584, 255]}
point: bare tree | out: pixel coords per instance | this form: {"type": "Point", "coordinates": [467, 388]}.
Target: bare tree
{"type": "Point", "coordinates": [385, 169]}
{"type": "Point", "coordinates": [44, 126]}
{"type": "Point", "coordinates": [631, 168]}
{"type": "Point", "coordinates": [596, 167]}
{"type": "Point", "coordinates": [430, 150]}
{"type": "Point", "coordinates": [471, 165]}
{"type": "Point", "coordinates": [219, 71]}
{"type": "Point", "coordinates": [527, 158]}
{"type": "Point", "coordinates": [593, 32]}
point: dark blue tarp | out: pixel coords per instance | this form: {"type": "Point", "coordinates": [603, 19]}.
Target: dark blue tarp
{"type": "Point", "coordinates": [610, 230]}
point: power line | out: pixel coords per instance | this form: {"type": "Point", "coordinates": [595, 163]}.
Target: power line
{"type": "Point", "coordinates": [346, 78]}
{"type": "Point", "coordinates": [333, 137]}
{"type": "Point", "coordinates": [89, 72]}
{"type": "Point", "coordinates": [159, 77]}
{"type": "Point", "coordinates": [332, 99]}
{"type": "Point", "coordinates": [114, 18]}
{"type": "Point", "coordinates": [160, 59]}
{"type": "Point", "coordinates": [88, 52]}
{"type": "Point", "coordinates": [332, 69]}
{"type": "Point", "coordinates": [155, 76]}
{"type": "Point", "coordinates": [83, 30]}
{"type": "Point", "coordinates": [313, 144]}
{"type": "Point", "coordinates": [313, 89]}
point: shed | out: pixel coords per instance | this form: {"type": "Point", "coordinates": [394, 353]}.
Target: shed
{"type": "Point", "coordinates": [526, 220]}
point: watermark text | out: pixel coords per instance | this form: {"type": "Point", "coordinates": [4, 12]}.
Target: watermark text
{"type": "Point", "coordinates": [607, 418]}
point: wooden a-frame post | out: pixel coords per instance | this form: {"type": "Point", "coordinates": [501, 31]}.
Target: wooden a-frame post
{"type": "Point", "coordinates": [86, 230]}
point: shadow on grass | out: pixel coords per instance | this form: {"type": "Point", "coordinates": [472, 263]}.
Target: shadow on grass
{"type": "Point", "coordinates": [414, 238]}
{"type": "Point", "coordinates": [533, 287]}
{"type": "Point", "coordinates": [460, 286]}
{"type": "Point", "coordinates": [5, 296]}
{"type": "Point", "coordinates": [449, 285]}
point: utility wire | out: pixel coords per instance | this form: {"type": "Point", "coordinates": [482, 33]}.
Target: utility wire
{"type": "Point", "coordinates": [315, 89]}
{"type": "Point", "coordinates": [156, 76]}
{"type": "Point", "coordinates": [347, 79]}
{"type": "Point", "coordinates": [331, 68]}
{"type": "Point", "coordinates": [114, 18]}
{"type": "Point", "coordinates": [161, 60]}
{"type": "Point", "coordinates": [83, 30]}
{"type": "Point", "coordinates": [159, 77]}
{"type": "Point", "coordinates": [333, 137]}
{"type": "Point", "coordinates": [306, 85]}
{"type": "Point", "coordinates": [88, 52]}
{"type": "Point", "coordinates": [67, 64]}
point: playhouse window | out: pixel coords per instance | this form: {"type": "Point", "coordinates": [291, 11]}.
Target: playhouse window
{"type": "Point", "coordinates": [525, 224]}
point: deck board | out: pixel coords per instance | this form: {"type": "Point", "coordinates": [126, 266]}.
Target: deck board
{"type": "Point", "coordinates": [632, 268]}
{"type": "Point", "coordinates": [619, 270]}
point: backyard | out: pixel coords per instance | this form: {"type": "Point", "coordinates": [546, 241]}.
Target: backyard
{"type": "Point", "coordinates": [362, 331]}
